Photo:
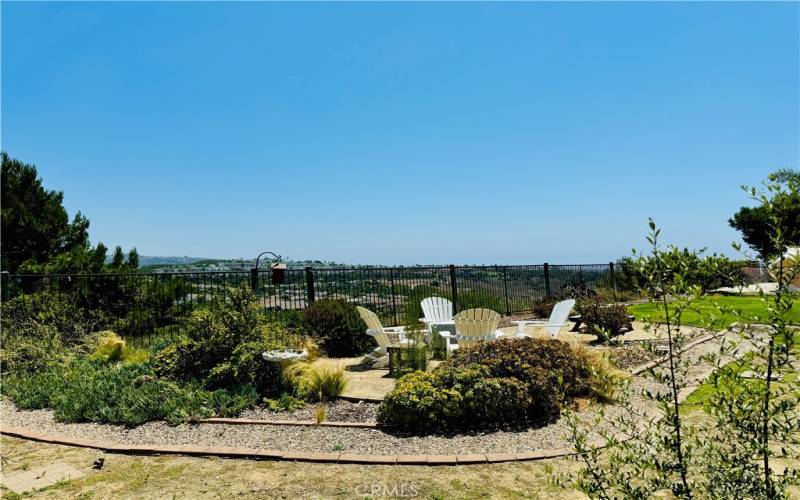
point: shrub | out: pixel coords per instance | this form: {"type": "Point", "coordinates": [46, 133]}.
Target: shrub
{"type": "Point", "coordinates": [487, 401]}
{"type": "Point", "coordinates": [692, 268]}
{"type": "Point", "coordinates": [456, 398]}
{"type": "Point", "coordinates": [108, 347]}
{"type": "Point", "coordinates": [418, 403]}
{"type": "Point", "coordinates": [323, 381]}
{"type": "Point", "coordinates": [90, 390]}
{"type": "Point", "coordinates": [605, 380]}
{"type": "Point", "coordinates": [246, 366]}
{"type": "Point", "coordinates": [225, 345]}
{"type": "Point", "coordinates": [517, 357]}
{"type": "Point", "coordinates": [504, 383]}
{"type": "Point", "coordinates": [56, 310]}
{"type": "Point", "coordinates": [338, 327]}
{"type": "Point", "coordinates": [604, 320]}
{"type": "Point", "coordinates": [33, 350]}
{"type": "Point", "coordinates": [182, 360]}
{"type": "Point", "coordinates": [286, 402]}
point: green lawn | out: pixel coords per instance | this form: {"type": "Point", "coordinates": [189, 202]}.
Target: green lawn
{"type": "Point", "coordinates": [705, 309]}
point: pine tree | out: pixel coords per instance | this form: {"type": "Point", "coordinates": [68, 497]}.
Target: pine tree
{"type": "Point", "coordinates": [118, 260]}
{"type": "Point", "coordinates": [133, 259]}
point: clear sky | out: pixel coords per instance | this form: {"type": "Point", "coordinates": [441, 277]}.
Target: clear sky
{"type": "Point", "coordinates": [402, 133]}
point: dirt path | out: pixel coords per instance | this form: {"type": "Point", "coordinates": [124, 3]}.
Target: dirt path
{"type": "Point", "coordinates": [125, 476]}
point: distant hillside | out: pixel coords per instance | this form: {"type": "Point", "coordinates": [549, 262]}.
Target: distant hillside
{"type": "Point", "coordinates": [194, 264]}
{"type": "Point", "coordinates": [146, 260]}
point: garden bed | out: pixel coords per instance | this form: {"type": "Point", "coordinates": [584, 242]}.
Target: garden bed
{"type": "Point", "coordinates": [337, 411]}
{"type": "Point", "coordinates": [300, 438]}
{"type": "Point", "coordinates": [329, 439]}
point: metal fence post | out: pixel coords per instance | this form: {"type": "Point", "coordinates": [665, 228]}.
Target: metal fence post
{"type": "Point", "coordinates": [394, 299]}
{"type": "Point", "coordinates": [254, 279]}
{"type": "Point", "coordinates": [613, 279]}
{"type": "Point", "coordinates": [505, 287]}
{"type": "Point", "coordinates": [5, 284]}
{"type": "Point", "coordinates": [453, 289]}
{"type": "Point", "coordinates": [547, 280]}
{"type": "Point", "coordinates": [310, 294]}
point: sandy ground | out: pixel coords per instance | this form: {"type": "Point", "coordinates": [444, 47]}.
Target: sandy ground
{"type": "Point", "coordinates": [372, 384]}
{"type": "Point", "coordinates": [124, 477]}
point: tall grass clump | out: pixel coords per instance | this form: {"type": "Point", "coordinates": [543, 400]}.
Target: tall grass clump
{"type": "Point", "coordinates": [322, 381]}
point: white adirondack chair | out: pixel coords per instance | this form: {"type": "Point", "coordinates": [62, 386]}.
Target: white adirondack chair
{"type": "Point", "coordinates": [558, 320]}
{"type": "Point", "coordinates": [379, 358]}
{"type": "Point", "coordinates": [436, 310]}
{"type": "Point", "coordinates": [439, 319]}
{"type": "Point", "coordinates": [473, 326]}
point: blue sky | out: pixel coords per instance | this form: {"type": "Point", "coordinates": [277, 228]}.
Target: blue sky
{"type": "Point", "coordinates": [402, 133]}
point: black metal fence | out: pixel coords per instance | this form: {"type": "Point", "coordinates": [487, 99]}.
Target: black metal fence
{"type": "Point", "coordinates": [143, 305]}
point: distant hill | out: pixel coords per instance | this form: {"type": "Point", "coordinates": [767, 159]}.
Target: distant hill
{"type": "Point", "coordinates": [149, 264]}
{"type": "Point", "coordinates": [146, 260]}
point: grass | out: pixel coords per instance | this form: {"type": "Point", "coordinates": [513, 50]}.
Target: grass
{"type": "Point", "coordinates": [126, 476]}
{"type": "Point", "coordinates": [705, 310]}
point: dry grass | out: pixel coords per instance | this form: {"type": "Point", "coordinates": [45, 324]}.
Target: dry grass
{"type": "Point", "coordinates": [188, 477]}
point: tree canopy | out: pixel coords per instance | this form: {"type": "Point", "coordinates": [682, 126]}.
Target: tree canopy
{"type": "Point", "coordinates": [36, 234]}
{"type": "Point", "coordinates": [754, 222]}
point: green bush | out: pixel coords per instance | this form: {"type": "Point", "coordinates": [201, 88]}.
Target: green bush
{"type": "Point", "coordinates": [519, 358]}
{"type": "Point", "coordinates": [246, 366]}
{"type": "Point", "coordinates": [455, 399]}
{"type": "Point", "coordinates": [285, 402]}
{"type": "Point", "coordinates": [186, 359]}
{"type": "Point", "coordinates": [504, 383]}
{"type": "Point", "coordinates": [419, 403]}
{"type": "Point", "coordinates": [604, 320]}
{"type": "Point", "coordinates": [487, 401]}
{"type": "Point", "coordinates": [90, 390]}
{"type": "Point", "coordinates": [707, 272]}
{"type": "Point", "coordinates": [338, 327]}
{"type": "Point", "coordinates": [34, 349]}
{"type": "Point", "coordinates": [53, 309]}
{"type": "Point", "coordinates": [225, 345]}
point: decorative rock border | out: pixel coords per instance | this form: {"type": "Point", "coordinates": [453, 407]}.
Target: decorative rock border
{"type": "Point", "coordinates": [296, 456]}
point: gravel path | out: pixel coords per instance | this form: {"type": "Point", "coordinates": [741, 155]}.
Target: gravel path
{"type": "Point", "coordinates": [338, 411]}
{"type": "Point", "coordinates": [324, 439]}
{"type": "Point", "coordinates": [297, 438]}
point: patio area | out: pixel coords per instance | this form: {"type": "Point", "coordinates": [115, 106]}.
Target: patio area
{"type": "Point", "coordinates": [370, 384]}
